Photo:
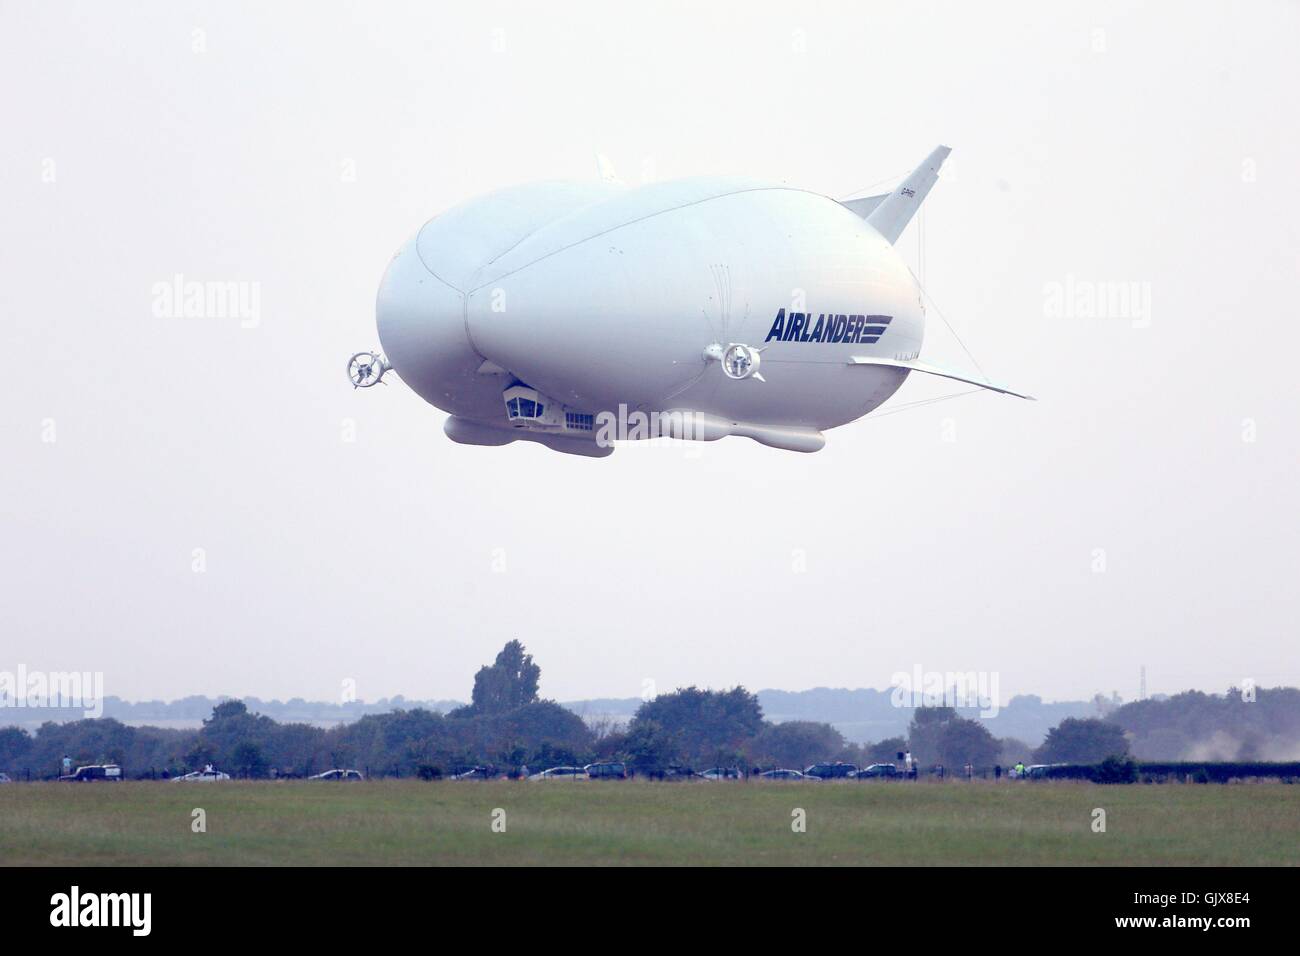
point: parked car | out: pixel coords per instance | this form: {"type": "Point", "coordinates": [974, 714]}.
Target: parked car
{"type": "Point", "coordinates": [787, 775]}
{"type": "Point", "coordinates": [679, 773]}
{"type": "Point", "coordinates": [561, 773]}
{"type": "Point", "coordinates": [475, 773]}
{"type": "Point", "coordinates": [831, 771]}
{"type": "Point", "coordinates": [722, 773]}
{"type": "Point", "coordinates": [612, 770]}
{"type": "Point", "coordinates": [207, 775]}
{"type": "Point", "coordinates": [108, 772]}
{"type": "Point", "coordinates": [877, 771]}
{"type": "Point", "coordinates": [337, 774]}
{"type": "Point", "coordinates": [1040, 771]}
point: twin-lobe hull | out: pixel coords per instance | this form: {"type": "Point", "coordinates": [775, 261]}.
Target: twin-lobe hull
{"type": "Point", "coordinates": [606, 300]}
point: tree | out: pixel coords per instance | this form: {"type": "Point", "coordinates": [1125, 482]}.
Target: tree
{"type": "Point", "coordinates": [795, 744]}
{"type": "Point", "coordinates": [939, 735]}
{"type": "Point", "coordinates": [924, 731]}
{"type": "Point", "coordinates": [247, 760]}
{"type": "Point", "coordinates": [649, 746]}
{"type": "Point", "coordinates": [1082, 740]}
{"type": "Point", "coordinates": [547, 720]}
{"type": "Point", "coordinates": [964, 742]}
{"type": "Point", "coordinates": [547, 755]}
{"type": "Point", "coordinates": [232, 727]}
{"type": "Point", "coordinates": [703, 723]}
{"type": "Point", "coordinates": [885, 751]}
{"type": "Point", "coordinates": [15, 744]}
{"type": "Point", "coordinates": [227, 710]}
{"type": "Point", "coordinates": [510, 683]}
{"type": "Point", "coordinates": [1117, 769]}
{"type": "Point", "coordinates": [198, 756]}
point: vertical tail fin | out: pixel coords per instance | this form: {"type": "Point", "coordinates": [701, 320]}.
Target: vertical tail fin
{"type": "Point", "coordinates": [896, 210]}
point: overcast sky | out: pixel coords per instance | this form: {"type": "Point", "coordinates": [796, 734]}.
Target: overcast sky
{"type": "Point", "coordinates": [1143, 511]}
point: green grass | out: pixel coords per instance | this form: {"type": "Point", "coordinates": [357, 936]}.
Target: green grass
{"type": "Point", "coordinates": [408, 822]}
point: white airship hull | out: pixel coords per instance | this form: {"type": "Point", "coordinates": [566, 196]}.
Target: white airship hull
{"type": "Point", "coordinates": [541, 312]}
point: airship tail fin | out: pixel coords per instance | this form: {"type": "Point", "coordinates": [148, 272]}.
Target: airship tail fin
{"type": "Point", "coordinates": [865, 206]}
{"type": "Point", "coordinates": [892, 214]}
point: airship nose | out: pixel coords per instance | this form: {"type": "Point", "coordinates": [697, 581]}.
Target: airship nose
{"type": "Point", "coordinates": [421, 322]}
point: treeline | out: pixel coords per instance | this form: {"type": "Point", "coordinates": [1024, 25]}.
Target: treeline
{"type": "Point", "coordinates": [505, 722]}
{"type": "Point", "coordinates": [508, 726]}
{"type": "Point", "coordinates": [861, 715]}
{"type": "Point", "coordinates": [196, 708]}
{"type": "Point", "coordinates": [1128, 770]}
{"type": "Point", "coordinates": [1244, 724]}
{"type": "Point", "coordinates": [505, 725]}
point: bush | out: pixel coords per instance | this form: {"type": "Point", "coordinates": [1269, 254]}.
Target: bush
{"type": "Point", "coordinates": [1116, 769]}
{"type": "Point", "coordinates": [1218, 772]}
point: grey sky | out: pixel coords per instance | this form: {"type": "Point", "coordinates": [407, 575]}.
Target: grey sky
{"type": "Point", "coordinates": [1092, 144]}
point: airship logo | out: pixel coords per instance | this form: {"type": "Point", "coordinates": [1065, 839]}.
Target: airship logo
{"type": "Point", "coordinates": [850, 329]}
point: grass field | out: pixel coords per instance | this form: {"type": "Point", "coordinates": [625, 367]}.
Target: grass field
{"type": "Point", "coordinates": [408, 822]}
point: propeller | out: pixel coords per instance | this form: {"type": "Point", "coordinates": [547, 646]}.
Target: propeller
{"type": "Point", "coordinates": [739, 361]}
{"type": "Point", "coordinates": [366, 369]}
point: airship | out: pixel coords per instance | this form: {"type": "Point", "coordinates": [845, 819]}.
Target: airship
{"type": "Point", "coordinates": [581, 314]}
